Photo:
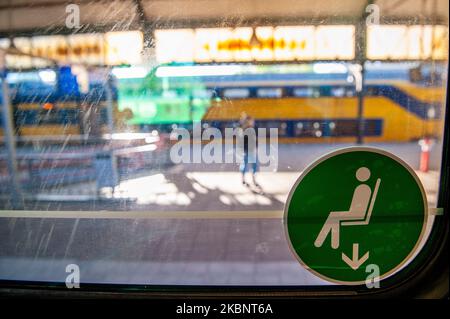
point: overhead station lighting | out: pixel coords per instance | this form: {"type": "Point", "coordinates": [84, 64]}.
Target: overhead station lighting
{"type": "Point", "coordinates": [299, 43]}
{"type": "Point", "coordinates": [265, 43]}
{"type": "Point", "coordinates": [130, 72]}
{"type": "Point", "coordinates": [111, 48]}
{"type": "Point", "coordinates": [401, 42]}
{"type": "Point", "coordinates": [326, 68]}
{"type": "Point", "coordinates": [198, 70]}
{"type": "Point", "coordinates": [124, 47]}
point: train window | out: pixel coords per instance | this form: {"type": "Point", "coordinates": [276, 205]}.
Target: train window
{"type": "Point", "coordinates": [338, 92]}
{"type": "Point", "coordinates": [280, 126]}
{"type": "Point", "coordinates": [299, 127]}
{"type": "Point", "coordinates": [304, 92]}
{"type": "Point", "coordinates": [236, 93]}
{"type": "Point", "coordinates": [203, 93]}
{"type": "Point", "coordinates": [48, 115]}
{"type": "Point", "coordinates": [350, 93]}
{"type": "Point", "coordinates": [270, 93]}
{"type": "Point", "coordinates": [176, 146]}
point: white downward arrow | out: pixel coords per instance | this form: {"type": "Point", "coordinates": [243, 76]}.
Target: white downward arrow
{"type": "Point", "coordinates": [355, 262]}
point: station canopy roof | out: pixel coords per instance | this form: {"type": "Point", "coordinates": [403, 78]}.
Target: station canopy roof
{"type": "Point", "coordinates": [49, 16]}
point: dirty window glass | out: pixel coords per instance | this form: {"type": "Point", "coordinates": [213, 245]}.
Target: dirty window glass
{"type": "Point", "coordinates": [121, 156]}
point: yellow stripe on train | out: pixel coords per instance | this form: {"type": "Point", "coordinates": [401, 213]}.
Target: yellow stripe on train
{"type": "Point", "coordinates": [58, 105]}
{"type": "Point", "coordinates": [421, 93]}
{"type": "Point", "coordinates": [49, 129]}
{"type": "Point", "coordinates": [286, 108]}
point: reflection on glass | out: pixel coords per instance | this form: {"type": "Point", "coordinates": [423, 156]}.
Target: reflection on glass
{"type": "Point", "coordinates": [91, 120]}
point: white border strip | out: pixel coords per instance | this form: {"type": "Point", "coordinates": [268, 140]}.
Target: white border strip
{"type": "Point", "coordinates": [265, 214]}
{"type": "Point", "coordinates": [269, 214]}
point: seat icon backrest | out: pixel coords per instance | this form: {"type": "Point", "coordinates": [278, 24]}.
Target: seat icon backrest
{"type": "Point", "coordinates": [366, 220]}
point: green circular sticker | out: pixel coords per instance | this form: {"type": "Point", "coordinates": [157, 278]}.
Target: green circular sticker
{"type": "Point", "coordinates": [352, 208]}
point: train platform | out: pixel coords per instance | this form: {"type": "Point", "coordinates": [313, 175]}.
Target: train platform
{"type": "Point", "coordinates": [188, 191]}
{"type": "Point", "coordinates": [236, 239]}
{"type": "Point", "coordinates": [200, 187]}
{"type": "Point", "coordinates": [181, 251]}
{"type": "Point", "coordinates": [188, 224]}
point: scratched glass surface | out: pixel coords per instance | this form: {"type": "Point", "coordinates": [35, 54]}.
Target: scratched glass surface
{"type": "Point", "coordinates": [156, 142]}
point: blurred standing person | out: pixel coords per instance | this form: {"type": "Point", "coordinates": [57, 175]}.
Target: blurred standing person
{"type": "Point", "coordinates": [249, 148]}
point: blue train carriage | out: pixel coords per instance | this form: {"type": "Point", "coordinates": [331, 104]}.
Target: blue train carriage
{"type": "Point", "coordinates": [323, 107]}
{"type": "Point", "coordinates": [50, 103]}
